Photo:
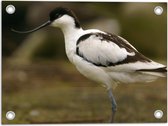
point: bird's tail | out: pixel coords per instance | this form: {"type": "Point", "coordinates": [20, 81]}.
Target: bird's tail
{"type": "Point", "coordinates": [160, 72]}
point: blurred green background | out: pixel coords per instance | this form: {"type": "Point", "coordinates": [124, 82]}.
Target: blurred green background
{"type": "Point", "coordinates": [41, 86]}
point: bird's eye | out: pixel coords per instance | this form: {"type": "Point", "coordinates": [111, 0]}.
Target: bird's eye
{"type": "Point", "coordinates": [58, 15]}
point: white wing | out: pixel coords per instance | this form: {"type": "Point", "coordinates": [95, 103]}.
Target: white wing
{"type": "Point", "coordinates": [113, 52]}
{"type": "Point", "coordinates": [107, 50]}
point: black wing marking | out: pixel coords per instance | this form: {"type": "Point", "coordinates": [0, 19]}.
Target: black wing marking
{"type": "Point", "coordinates": [162, 69]}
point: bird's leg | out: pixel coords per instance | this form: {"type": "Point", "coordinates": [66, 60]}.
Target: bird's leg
{"type": "Point", "coordinates": [113, 103]}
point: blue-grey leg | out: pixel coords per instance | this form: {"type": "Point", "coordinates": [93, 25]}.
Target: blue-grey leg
{"type": "Point", "coordinates": [113, 103]}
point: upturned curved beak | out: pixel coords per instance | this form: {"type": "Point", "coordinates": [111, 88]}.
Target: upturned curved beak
{"type": "Point", "coordinates": [33, 30]}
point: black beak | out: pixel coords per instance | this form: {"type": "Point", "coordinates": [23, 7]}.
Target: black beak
{"type": "Point", "coordinates": [30, 31]}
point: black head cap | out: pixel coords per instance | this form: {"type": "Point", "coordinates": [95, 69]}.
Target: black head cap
{"type": "Point", "coordinates": [60, 11]}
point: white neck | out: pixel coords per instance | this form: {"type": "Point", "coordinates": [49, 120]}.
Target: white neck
{"type": "Point", "coordinates": [71, 35]}
{"type": "Point", "coordinates": [70, 32]}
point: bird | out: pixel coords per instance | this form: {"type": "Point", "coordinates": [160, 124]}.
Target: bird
{"type": "Point", "coordinates": [100, 56]}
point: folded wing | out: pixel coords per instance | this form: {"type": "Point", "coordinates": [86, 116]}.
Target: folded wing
{"type": "Point", "coordinates": [114, 53]}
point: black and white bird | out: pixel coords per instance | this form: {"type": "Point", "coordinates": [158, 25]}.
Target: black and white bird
{"type": "Point", "coordinates": [101, 56]}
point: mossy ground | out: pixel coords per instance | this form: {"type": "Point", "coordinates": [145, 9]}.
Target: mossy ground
{"type": "Point", "coordinates": [55, 92]}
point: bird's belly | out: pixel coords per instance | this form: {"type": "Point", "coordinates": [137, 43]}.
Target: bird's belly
{"type": "Point", "coordinates": [108, 78]}
{"type": "Point", "coordinates": [131, 77]}
{"type": "Point", "coordinates": [90, 71]}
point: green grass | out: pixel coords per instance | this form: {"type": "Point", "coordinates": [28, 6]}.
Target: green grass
{"type": "Point", "coordinates": [57, 93]}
